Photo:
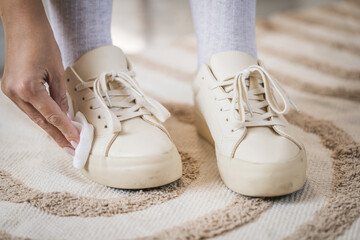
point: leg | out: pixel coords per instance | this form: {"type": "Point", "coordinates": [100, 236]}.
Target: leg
{"type": "Point", "coordinates": [224, 25]}
{"type": "Point", "coordinates": [80, 26]}
{"type": "Point", "coordinates": [235, 104]}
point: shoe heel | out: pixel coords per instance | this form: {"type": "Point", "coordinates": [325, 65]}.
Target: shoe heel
{"type": "Point", "coordinates": [202, 128]}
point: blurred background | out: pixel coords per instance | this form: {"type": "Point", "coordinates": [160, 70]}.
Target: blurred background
{"type": "Point", "coordinates": [137, 24]}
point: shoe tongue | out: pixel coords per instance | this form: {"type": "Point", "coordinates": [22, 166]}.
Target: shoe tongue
{"type": "Point", "coordinates": [103, 59]}
{"type": "Point", "coordinates": [228, 64]}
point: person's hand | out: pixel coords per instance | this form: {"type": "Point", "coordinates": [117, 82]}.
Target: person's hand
{"type": "Point", "coordinates": [32, 58]}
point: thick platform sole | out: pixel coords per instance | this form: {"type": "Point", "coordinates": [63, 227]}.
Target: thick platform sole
{"type": "Point", "coordinates": [257, 179]}
{"type": "Point", "coordinates": [134, 173]}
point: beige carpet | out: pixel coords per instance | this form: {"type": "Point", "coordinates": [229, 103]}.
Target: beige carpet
{"type": "Point", "coordinates": [315, 53]}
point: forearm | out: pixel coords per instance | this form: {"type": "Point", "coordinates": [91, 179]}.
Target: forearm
{"type": "Point", "coordinates": [25, 25]}
{"type": "Point", "coordinates": [23, 16]}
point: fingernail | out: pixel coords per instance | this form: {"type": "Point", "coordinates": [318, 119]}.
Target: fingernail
{"type": "Point", "coordinates": [69, 151]}
{"type": "Point", "coordinates": [74, 144]}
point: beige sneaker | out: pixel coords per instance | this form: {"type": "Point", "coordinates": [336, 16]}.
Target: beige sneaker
{"type": "Point", "coordinates": [131, 149]}
{"type": "Point", "coordinates": [236, 110]}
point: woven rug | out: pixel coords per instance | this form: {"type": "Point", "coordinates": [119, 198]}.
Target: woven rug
{"type": "Point", "coordinates": [315, 53]}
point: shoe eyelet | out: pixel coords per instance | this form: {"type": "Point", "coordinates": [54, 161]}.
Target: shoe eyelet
{"type": "Point", "coordinates": [83, 99]}
{"type": "Point", "coordinates": [68, 80]}
{"type": "Point", "coordinates": [91, 107]}
{"type": "Point", "coordinates": [75, 89]}
{"type": "Point", "coordinates": [99, 117]}
{"type": "Point", "coordinates": [227, 119]}
{"type": "Point", "coordinates": [232, 130]}
{"type": "Point", "coordinates": [105, 126]}
{"type": "Point", "coordinates": [221, 109]}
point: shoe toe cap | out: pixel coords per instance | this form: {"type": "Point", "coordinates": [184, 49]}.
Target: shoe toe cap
{"type": "Point", "coordinates": [264, 145]}
{"type": "Point", "coordinates": [139, 138]}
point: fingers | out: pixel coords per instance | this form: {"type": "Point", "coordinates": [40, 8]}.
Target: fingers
{"type": "Point", "coordinates": [52, 113]}
{"type": "Point", "coordinates": [33, 92]}
{"type": "Point", "coordinates": [36, 117]}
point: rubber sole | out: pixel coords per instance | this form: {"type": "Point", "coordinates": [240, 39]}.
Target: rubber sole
{"type": "Point", "coordinates": [134, 173]}
{"type": "Point", "coordinates": [257, 179]}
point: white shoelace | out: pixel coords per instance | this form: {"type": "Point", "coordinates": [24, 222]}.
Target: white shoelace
{"type": "Point", "coordinates": [262, 99]}
{"type": "Point", "coordinates": [125, 102]}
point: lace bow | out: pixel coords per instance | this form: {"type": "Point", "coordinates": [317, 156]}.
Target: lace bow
{"type": "Point", "coordinates": [134, 102]}
{"type": "Point", "coordinates": [237, 90]}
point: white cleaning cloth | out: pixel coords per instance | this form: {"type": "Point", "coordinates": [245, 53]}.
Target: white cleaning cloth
{"type": "Point", "coordinates": [86, 138]}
